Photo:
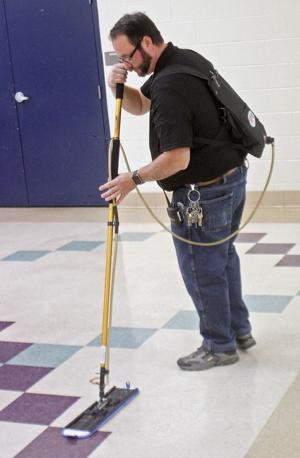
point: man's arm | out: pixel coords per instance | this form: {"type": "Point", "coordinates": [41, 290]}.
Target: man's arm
{"type": "Point", "coordinates": [164, 166]}
{"type": "Point", "coordinates": [134, 101]}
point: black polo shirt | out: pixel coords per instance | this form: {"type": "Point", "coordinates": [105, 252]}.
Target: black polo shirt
{"type": "Point", "coordinates": [182, 107]}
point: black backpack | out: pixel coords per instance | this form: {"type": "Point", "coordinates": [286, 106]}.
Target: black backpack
{"type": "Point", "coordinates": [246, 131]}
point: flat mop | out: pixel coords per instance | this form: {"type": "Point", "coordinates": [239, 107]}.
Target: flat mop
{"type": "Point", "coordinates": [115, 399]}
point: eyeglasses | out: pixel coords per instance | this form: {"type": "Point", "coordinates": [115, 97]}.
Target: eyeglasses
{"type": "Point", "coordinates": [128, 59]}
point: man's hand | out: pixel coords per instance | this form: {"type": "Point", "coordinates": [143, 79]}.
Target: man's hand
{"type": "Point", "coordinates": [118, 188]}
{"type": "Point", "coordinates": [118, 74]}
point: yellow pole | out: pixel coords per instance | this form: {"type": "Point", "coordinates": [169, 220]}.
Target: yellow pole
{"type": "Point", "coordinates": [107, 275]}
{"type": "Point", "coordinates": [110, 229]}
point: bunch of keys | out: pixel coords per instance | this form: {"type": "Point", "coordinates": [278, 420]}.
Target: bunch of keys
{"type": "Point", "coordinates": [194, 211]}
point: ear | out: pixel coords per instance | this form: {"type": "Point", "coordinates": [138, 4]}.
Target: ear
{"type": "Point", "coordinates": [147, 43]}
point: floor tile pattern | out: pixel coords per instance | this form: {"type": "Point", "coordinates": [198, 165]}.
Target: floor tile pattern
{"type": "Point", "coordinates": [80, 245]}
{"type": "Point", "coordinates": [26, 255]}
{"type": "Point", "coordinates": [87, 245]}
{"type": "Point", "coordinates": [20, 378]}
{"type": "Point", "coordinates": [25, 367]}
{"type": "Point", "coordinates": [5, 324]}
{"type": "Point", "coordinates": [10, 349]}
{"type": "Point", "coordinates": [185, 319]}
{"type": "Point", "coordinates": [135, 236]}
{"type": "Point", "coordinates": [126, 337]}
{"type": "Point", "coordinates": [271, 248]}
{"type": "Point", "coordinates": [289, 261]}
{"type": "Point", "coordinates": [38, 409]}
{"type": "Point", "coordinates": [60, 447]}
{"type": "Point", "coordinates": [249, 237]}
{"type": "Point", "coordinates": [267, 304]}
{"type": "Point", "coordinates": [44, 355]}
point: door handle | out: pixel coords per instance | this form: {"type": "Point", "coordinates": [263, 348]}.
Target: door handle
{"type": "Point", "coordinates": [20, 97]}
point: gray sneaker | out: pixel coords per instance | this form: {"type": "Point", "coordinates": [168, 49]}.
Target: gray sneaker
{"type": "Point", "coordinates": [203, 359]}
{"type": "Point", "coordinates": [245, 342]}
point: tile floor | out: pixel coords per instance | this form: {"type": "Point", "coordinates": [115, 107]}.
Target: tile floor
{"type": "Point", "coordinates": [52, 277]}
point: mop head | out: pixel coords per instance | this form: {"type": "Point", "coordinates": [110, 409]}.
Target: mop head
{"type": "Point", "coordinates": [99, 413]}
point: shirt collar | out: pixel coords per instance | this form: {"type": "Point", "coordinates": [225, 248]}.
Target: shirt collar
{"type": "Point", "coordinates": [169, 51]}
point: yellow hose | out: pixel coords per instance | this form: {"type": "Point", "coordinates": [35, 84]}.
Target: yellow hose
{"type": "Point", "coordinates": [218, 242]}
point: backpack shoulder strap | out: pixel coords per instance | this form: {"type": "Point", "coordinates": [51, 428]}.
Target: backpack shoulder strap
{"type": "Point", "coordinates": [208, 73]}
{"type": "Point", "coordinates": [185, 69]}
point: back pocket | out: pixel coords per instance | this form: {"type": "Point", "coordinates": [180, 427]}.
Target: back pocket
{"type": "Point", "coordinates": [217, 213]}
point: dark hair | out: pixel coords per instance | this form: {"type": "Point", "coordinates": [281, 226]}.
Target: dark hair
{"type": "Point", "coordinates": [135, 26]}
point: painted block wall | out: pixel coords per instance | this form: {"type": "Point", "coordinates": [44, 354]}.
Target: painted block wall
{"type": "Point", "coordinates": [254, 44]}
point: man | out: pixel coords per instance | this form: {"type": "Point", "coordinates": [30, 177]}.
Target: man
{"type": "Point", "coordinates": [181, 108]}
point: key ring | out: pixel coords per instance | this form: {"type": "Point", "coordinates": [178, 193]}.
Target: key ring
{"type": "Point", "coordinates": [194, 196]}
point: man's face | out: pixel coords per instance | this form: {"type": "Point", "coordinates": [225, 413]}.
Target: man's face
{"type": "Point", "coordinates": [135, 58]}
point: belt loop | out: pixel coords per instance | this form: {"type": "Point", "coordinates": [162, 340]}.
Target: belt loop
{"type": "Point", "coordinates": [224, 179]}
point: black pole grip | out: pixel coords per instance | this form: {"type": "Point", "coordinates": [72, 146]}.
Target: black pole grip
{"type": "Point", "coordinates": [119, 91]}
{"type": "Point", "coordinates": [115, 158]}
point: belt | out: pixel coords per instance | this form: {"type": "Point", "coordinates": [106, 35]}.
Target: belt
{"type": "Point", "coordinates": [215, 180]}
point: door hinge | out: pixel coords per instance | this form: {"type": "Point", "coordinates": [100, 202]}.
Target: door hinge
{"type": "Point", "coordinates": [99, 92]}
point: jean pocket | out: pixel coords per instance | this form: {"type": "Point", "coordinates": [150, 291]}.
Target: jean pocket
{"type": "Point", "coordinates": [217, 213]}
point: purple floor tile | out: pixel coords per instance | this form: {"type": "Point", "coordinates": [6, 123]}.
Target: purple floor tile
{"type": "Point", "coordinates": [290, 261]}
{"type": "Point", "coordinates": [10, 349]}
{"type": "Point", "coordinates": [20, 378]}
{"type": "Point", "coordinates": [5, 324]}
{"type": "Point", "coordinates": [271, 248]}
{"type": "Point", "coordinates": [38, 409]}
{"type": "Point", "coordinates": [249, 237]}
{"type": "Point", "coordinates": [51, 444]}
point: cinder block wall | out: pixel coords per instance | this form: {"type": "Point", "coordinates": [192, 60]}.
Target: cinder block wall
{"type": "Point", "coordinates": [256, 46]}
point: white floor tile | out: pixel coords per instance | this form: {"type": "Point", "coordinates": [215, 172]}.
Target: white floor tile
{"type": "Point", "coordinates": [15, 436]}
{"type": "Point", "coordinates": [7, 397]}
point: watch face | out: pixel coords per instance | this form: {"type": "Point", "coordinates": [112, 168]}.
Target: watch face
{"type": "Point", "coordinates": [136, 178]}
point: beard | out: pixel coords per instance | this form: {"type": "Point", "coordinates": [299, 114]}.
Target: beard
{"type": "Point", "coordinates": [143, 69]}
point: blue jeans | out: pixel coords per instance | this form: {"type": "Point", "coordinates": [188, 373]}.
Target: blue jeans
{"type": "Point", "coordinates": [212, 274]}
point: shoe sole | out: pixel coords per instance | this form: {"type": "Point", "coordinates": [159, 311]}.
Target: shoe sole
{"type": "Point", "coordinates": [223, 363]}
{"type": "Point", "coordinates": [243, 346]}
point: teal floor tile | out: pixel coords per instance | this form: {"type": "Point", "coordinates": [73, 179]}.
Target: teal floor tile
{"type": "Point", "coordinates": [44, 355]}
{"type": "Point", "coordinates": [80, 245]}
{"type": "Point", "coordinates": [135, 236]}
{"type": "Point", "coordinates": [185, 319]}
{"type": "Point", "coordinates": [267, 304]}
{"type": "Point", "coordinates": [126, 337]}
{"type": "Point", "coordinates": [26, 255]}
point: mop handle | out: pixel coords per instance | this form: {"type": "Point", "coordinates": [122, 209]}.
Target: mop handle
{"type": "Point", "coordinates": [112, 217]}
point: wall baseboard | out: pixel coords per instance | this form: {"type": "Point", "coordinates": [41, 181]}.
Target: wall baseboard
{"type": "Point", "coordinates": [276, 207]}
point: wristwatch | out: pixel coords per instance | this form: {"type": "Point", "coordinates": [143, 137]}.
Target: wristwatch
{"type": "Point", "coordinates": [137, 178]}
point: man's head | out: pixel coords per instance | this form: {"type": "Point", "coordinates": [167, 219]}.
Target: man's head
{"type": "Point", "coordinates": [137, 42]}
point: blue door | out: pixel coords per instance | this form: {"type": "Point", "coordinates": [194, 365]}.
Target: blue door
{"type": "Point", "coordinates": [63, 122]}
{"type": "Point", "coordinates": [12, 177]}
